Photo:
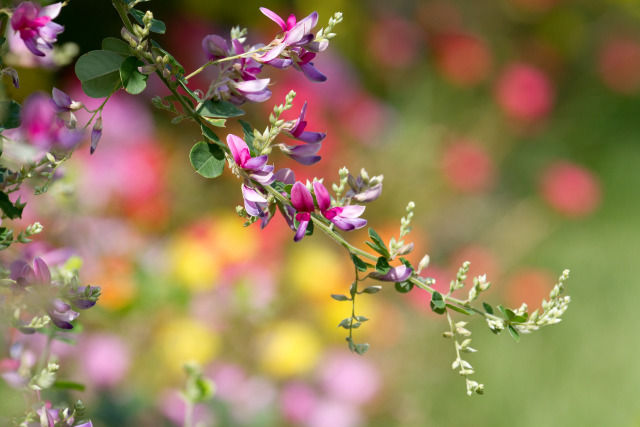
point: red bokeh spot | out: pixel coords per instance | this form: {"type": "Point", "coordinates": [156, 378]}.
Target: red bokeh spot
{"type": "Point", "coordinates": [570, 189]}
{"type": "Point", "coordinates": [619, 65]}
{"type": "Point", "coordinates": [463, 59]}
{"type": "Point", "coordinates": [393, 42]}
{"type": "Point", "coordinates": [467, 167]}
{"type": "Point", "coordinates": [524, 92]}
{"type": "Point", "coordinates": [530, 286]}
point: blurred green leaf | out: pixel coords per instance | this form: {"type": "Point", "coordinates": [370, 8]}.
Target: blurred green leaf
{"type": "Point", "coordinates": [338, 297]}
{"type": "Point", "coordinates": [10, 115]}
{"type": "Point", "coordinates": [68, 385]}
{"type": "Point", "coordinates": [487, 308]}
{"type": "Point", "coordinates": [404, 287]}
{"type": "Point", "coordinates": [459, 309]}
{"type": "Point", "coordinates": [514, 334]}
{"type": "Point", "coordinates": [10, 209]}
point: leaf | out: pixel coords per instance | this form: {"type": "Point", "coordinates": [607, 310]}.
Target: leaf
{"type": "Point", "coordinates": [68, 385]}
{"type": "Point", "coordinates": [459, 309]}
{"type": "Point", "coordinates": [9, 115]}
{"type": "Point", "coordinates": [382, 266]}
{"type": "Point", "coordinates": [360, 265]}
{"type": "Point", "coordinates": [437, 303]}
{"type": "Point", "coordinates": [207, 159]}
{"type": "Point", "coordinates": [99, 72]}
{"type": "Point", "coordinates": [338, 297]}
{"type": "Point", "coordinates": [514, 334]}
{"type": "Point", "coordinates": [378, 245]}
{"type": "Point", "coordinates": [10, 210]}
{"type": "Point", "coordinates": [210, 135]}
{"type": "Point", "coordinates": [133, 80]}
{"type": "Point", "coordinates": [157, 26]}
{"type": "Point", "coordinates": [372, 289]}
{"type": "Point", "coordinates": [361, 348]}
{"type": "Point", "coordinates": [361, 319]}
{"type": "Point", "coordinates": [309, 231]}
{"type": "Point", "coordinates": [247, 129]}
{"type": "Point", "coordinates": [116, 45]}
{"type": "Point", "coordinates": [507, 313]}
{"type": "Point", "coordinates": [219, 109]}
{"type": "Point", "coordinates": [404, 287]}
{"type": "Point", "coordinates": [345, 323]}
{"type": "Point", "coordinates": [487, 308]}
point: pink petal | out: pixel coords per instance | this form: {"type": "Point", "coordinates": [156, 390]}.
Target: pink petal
{"type": "Point", "coordinates": [236, 145]}
{"type": "Point", "coordinates": [322, 196]}
{"type": "Point", "coordinates": [301, 198]}
{"type": "Point", "coordinates": [274, 17]}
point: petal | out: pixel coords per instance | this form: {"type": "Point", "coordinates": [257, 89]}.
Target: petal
{"type": "Point", "coordinates": [306, 160]}
{"type": "Point", "coordinates": [280, 63]}
{"type": "Point", "coordinates": [302, 229]}
{"type": "Point", "coordinates": [322, 196]}
{"type": "Point", "coordinates": [274, 17]}
{"type": "Point", "coordinates": [272, 54]}
{"type": "Point", "coordinates": [285, 175]}
{"type": "Point", "coordinates": [396, 274]}
{"type": "Point", "coordinates": [301, 198]}
{"type": "Point", "coordinates": [264, 176]}
{"type": "Point", "coordinates": [43, 275]}
{"type": "Point", "coordinates": [301, 29]}
{"type": "Point", "coordinates": [348, 224]}
{"type": "Point", "coordinates": [252, 85]}
{"type": "Point", "coordinates": [312, 74]}
{"type": "Point", "coordinates": [61, 99]}
{"type": "Point", "coordinates": [353, 211]}
{"type": "Point", "coordinates": [52, 11]}
{"type": "Point", "coordinates": [311, 137]}
{"type": "Point", "coordinates": [304, 149]}
{"type": "Point", "coordinates": [255, 163]}
{"type": "Point", "coordinates": [236, 145]}
{"type": "Point", "coordinates": [252, 195]}
{"type": "Point", "coordinates": [369, 195]}
{"type": "Point", "coordinates": [258, 96]}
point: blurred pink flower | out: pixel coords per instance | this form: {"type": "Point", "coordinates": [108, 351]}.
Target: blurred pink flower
{"type": "Point", "coordinates": [349, 378]}
{"type": "Point", "coordinates": [35, 25]}
{"type": "Point", "coordinates": [331, 413]}
{"type": "Point", "coordinates": [530, 286]}
{"type": "Point", "coordinates": [619, 64]}
{"type": "Point", "coordinates": [297, 401]}
{"type": "Point", "coordinates": [468, 167]}
{"type": "Point", "coordinates": [105, 359]}
{"type": "Point", "coordinates": [570, 189]}
{"type": "Point", "coordinates": [524, 92]}
{"type": "Point", "coordinates": [173, 407]}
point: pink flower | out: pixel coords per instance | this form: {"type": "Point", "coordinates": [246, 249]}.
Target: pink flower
{"type": "Point", "coordinates": [36, 27]}
{"type": "Point", "coordinates": [256, 166]}
{"type": "Point", "coordinates": [295, 33]}
{"type": "Point", "coordinates": [302, 201]}
{"type": "Point", "coordinates": [344, 217]}
{"type": "Point", "coordinates": [570, 189]}
{"type": "Point", "coordinates": [525, 93]}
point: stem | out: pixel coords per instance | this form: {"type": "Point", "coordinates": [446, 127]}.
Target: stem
{"type": "Point", "coordinates": [122, 11]}
{"type": "Point", "coordinates": [44, 357]}
{"type": "Point", "coordinates": [226, 58]}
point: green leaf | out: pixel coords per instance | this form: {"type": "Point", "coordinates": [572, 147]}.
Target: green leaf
{"type": "Point", "coordinates": [99, 72]}
{"type": "Point", "coordinates": [382, 266]}
{"type": "Point", "coordinates": [372, 289]}
{"type": "Point", "coordinates": [361, 348]}
{"type": "Point", "coordinates": [68, 385]}
{"type": "Point", "coordinates": [157, 26]}
{"type": "Point", "coordinates": [404, 287]}
{"type": "Point", "coordinates": [459, 309]}
{"type": "Point", "coordinates": [519, 319]}
{"type": "Point", "coordinates": [210, 135]}
{"type": "Point", "coordinates": [247, 129]}
{"type": "Point", "coordinates": [133, 80]}
{"type": "Point", "coordinates": [338, 297]}
{"type": "Point", "coordinates": [487, 308]}
{"type": "Point", "coordinates": [10, 210]}
{"type": "Point", "coordinates": [9, 115]}
{"type": "Point", "coordinates": [360, 265]}
{"type": "Point", "coordinates": [378, 245]}
{"type": "Point", "coordinates": [116, 45]}
{"type": "Point", "coordinates": [219, 109]}
{"type": "Point", "coordinates": [345, 323]}
{"type": "Point", "coordinates": [309, 231]}
{"type": "Point", "coordinates": [514, 334]}
{"type": "Point", "coordinates": [506, 312]}
{"type": "Point", "coordinates": [437, 303]}
{"type": "Point", "coordinates": [361, 319]}
{"type": "Point", "coordinates": [207, 159]}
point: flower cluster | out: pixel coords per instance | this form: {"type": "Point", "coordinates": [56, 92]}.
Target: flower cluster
{"type": "Point", "coordinates": [35, 25]}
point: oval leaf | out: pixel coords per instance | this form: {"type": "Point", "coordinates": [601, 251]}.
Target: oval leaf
{"type": "Point", "coordinates": [207, 159]}
{"type": "Point", "coordinates": [219, 109]}
{"type": "Point", "coordinates": [99, 72]}
{"type": "Point", "coordinates": [116, 45]}
{"type": "Point", "coordinates": [133, 80]}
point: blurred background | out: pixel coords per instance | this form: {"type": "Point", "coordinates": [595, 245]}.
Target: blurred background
{"type": "Point", "coordinates": [513, 125]}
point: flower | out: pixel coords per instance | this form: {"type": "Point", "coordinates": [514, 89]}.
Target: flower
{"type": "Point", "coordinates": [296, 129]}
{"type": "Point", "coordinates": [256, 166]}
{"type": "Point", "coordinates": [36, 27]}
{"type": "Point", "coordinates": [344, 217]}
{"type": "Point", "coordinates": [62, 103]}
{"type": "Point", "coordinates": [295, 33]}
{"type": "Point", "coordinates": [252, 90]}
{"type": "Point", "coordinates": [302, 62]}
{"type": "Point", "coordinates": [302, 201]}
{"type": "Point", "coordinates": [304, 154]}
{"type": "Point", "coordinates": [395, 274]}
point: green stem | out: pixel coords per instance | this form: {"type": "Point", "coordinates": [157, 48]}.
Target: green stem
{"type": "Point", "coordinates": [122, 11]}
{"type": "Point", "coordinates": [226, 58]}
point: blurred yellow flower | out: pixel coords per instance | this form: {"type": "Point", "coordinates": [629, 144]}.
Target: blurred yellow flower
{"type": "Point", "coordinates": [195, 265]}
{"type": "Point", "coordinates": [183, 340]}
{"type": "Point", "coordinates": [288, 349]}
{"type": "Point", "coordinates": [236, 243]}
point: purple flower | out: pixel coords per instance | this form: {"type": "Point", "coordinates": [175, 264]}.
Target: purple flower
{"type": "Point", "coordinates": [294, 33]}
{"type": "Point", "coordinates": [215, 47]}
{"type": "Point", "coordinates": [304, 154]}
{"type": "Point", "coordinates": [302, 201]}
{"type": "Point", "coordinates": [302, 62]}
{"type": "Point", "coordinates": [252, 90]}
{"type": "Point", "coordinates": [297, 131]}
{"type": "Point", "coordinates": [36, 27]}
{"type": "Point", "coordinates": [84, 298]}
{"type": "Point", "coordinates": [346, 218]}
{"type": "Point", "coordinates": [395, 274]}
{"type": "Point", "coordinates": [62, 103]}
{"type": "Point", "coordinates": [256, 166]}
{"type": "Point", "coordinates": [53, 419]}
{"type": "Point", "coordinates": [96, 134]}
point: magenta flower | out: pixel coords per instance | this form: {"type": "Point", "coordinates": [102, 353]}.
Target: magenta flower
{"type": "Point", "coordinates": [294, 33]}
{"type": "Point", "coordinates": [302, 62]}
{"type": "Point", "coordinates": [215, 47]}
{"type": "Point", "coordinates": [36, 27]}
{"type": "Point", "coordinates": [304, 154]}
{"type": "Point", "coordinates": [297, 131]}
{"type": "Point", "coordinates": [302, 201]}
{"type": "Point", "coordinates": [256, 166]}
{"type": "Point", "coordinates": [344, 217]}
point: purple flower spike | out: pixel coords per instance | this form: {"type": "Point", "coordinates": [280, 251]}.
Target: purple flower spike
{"type": "Point", "coordinates": [35, 25]}
{"type": "Point", "coordinates": [302, 201]}
{"type": "Point", "coordinates": [256, 166]}
{"type": "Point", "coordinates": [395, 274]}
{"type": "Point", "coordinates": [297, 130]}
{"type": "Point", "coordinates": [346, 218]}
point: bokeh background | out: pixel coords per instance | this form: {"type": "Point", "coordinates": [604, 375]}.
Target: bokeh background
{"type": "Point", "coordinates": [513, 125]}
